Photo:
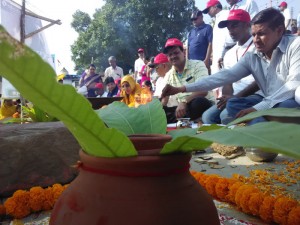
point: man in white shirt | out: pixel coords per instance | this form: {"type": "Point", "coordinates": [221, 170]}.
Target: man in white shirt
{"type": "Point", "coordinates": [298, 24]}
{"type": "Point", "coordinates": [113, 71]}
{"type": "Point", "coordinates": [215, 10]}
{"type": "Point", "coordinates": [99, 91]}
{"type": "Point", "coordinates": [274, 64]}
{"type": "Point", "coordinates": [138, 64]}
{"type": "Point", "coordinates": [170, 103]}
{"type": "Point", "coordinates": [238, 24]}
{"type": "Point", "coordinates": [287, 16]}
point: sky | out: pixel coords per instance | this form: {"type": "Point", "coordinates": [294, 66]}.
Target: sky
{"type": "Point", "coordinates": [61, 37]}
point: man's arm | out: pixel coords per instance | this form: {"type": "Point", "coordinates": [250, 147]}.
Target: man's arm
{"type": "Point", "coordinates": [249, 90]}
{"type": "Point", "coordinates": [208, 56]}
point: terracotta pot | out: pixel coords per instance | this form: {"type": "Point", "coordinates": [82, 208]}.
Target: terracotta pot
{"type": "Point", "coordinates": [148, 189]}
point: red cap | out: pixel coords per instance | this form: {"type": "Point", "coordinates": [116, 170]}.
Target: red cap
{"type": "Point", "coordinates": [235, 15]}
{"type": "Point", "coordinates": [209, 4]}
{"type": "Point", "coordinates": [140, 50]}
{"type": "Point", "coordinates": [171, 43]}
{"type": "Point", "coordinates": [283, 4]}
{"type": "Point", "coordinates": [159, 59]}
{"type": "Point", "coordinates": [99, 85]}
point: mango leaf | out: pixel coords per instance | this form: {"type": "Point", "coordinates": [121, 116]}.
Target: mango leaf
{"type": "Point", "coordinates": [146, 119]}
{"type": "Point", "coordinates": [276, 112]}
{"type": "Point", "coordinates": [36, 81]}
{"type": "Point", "coordinates": [270, 136]}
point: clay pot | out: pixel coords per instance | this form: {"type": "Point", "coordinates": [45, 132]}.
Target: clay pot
{"type": "Point", "coordinates": [147, 189]}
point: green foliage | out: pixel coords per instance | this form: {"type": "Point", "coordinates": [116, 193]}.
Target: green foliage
{"type": "Point", "coordinates": [81, 21]}
{"type": "Point", "coordinates": [22, 67]}
{"type": "Point", "coordinates": [146, 119]}
{"type": "Point", "coordinates": [120, 27]}
{"type": "Point", "coordinates": [37, 115]}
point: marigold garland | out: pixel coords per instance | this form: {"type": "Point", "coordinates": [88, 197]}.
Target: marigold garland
{"type": "Point", "coordinates": [250, 199]}
{"type": "Point", "coordinates": [22, 203]}
{"type": "Point", "coordinates": [237, 190]}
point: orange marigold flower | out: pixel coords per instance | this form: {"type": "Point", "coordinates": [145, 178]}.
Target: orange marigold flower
{"type": "Point", "coordinates": [17, 205]}
{"type": "Point", "coordinates": [266, 209]}
{"type": "Point", "coordinates": [239, 193]}
{"type": "Point", "coordinates": [211, 182]}
{"type": "Point", "coordinates": [49, 199]}
{"type": "Point", "coordinates": [294, 216]}
{"type": "Point", "coordinates": [57, 189]}
{"type": "Point", "coordinates": [232, 191]}
{"type": "Point", "coordinates": [202, 179]}
{"type": "Point", "coordinates": [222, 188]}
{"type": "Point", "coordinates": [244, 201]}
{"type": "Point", "coordinates": [282, 207]}
{"type": "Point", "coordinates": [37, 198]}
{"type": "Point", "coordinates": [255, 201]}
{"type": "Point", "coordinates": [2, 210]}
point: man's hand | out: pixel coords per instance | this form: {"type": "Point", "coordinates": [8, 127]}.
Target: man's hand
{"type": "Point", "coordinates": [220, 63]}
{"type": "Point", "coordinates": [170, 90]}
{"type": "Point", "coordinates": [244, 112]}
{"type": "Point", "coordinates": [221, 104]}
{"type": "Point", "coordinates": [181, 110]}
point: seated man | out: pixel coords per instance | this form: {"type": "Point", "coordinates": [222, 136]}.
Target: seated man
{"type": "Point", "coordinates": [99, 91]}
{"type": "Point", "coordinates": [184, 72]}
{"type": "Point", "coordinates": [111, 87]}
{"type": "Point", "coordinates": [274, 65]}
{"type": "Point", "coordinates": [238, 25]}
{"type": "Point", "coordinates": [162, 66]}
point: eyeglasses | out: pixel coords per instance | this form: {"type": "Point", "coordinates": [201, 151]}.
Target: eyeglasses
{"type": "Point", "coordinates": [193, 19]}
{"type": "Point", "coordinates": [125, 86]}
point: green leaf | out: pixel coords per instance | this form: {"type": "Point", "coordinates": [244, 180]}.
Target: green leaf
{"type": "Point", "coordinates": [276, 112]}
{"type": "Point", "coordinates": [36, 81]}
{"type": "Point", "coordinates": [146, 119]}
{"type": "Point", "coordinates": [270, 136]}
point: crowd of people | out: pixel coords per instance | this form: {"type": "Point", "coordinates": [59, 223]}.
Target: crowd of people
{"type": "Point", "coordinates": [248, 61]}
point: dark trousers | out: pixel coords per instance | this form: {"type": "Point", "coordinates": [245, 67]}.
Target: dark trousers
{"type": "Point", "coordinates": [195, 109]}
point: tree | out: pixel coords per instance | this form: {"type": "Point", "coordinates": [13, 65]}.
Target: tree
{"type": "Point", "coordinates": [120, 27]}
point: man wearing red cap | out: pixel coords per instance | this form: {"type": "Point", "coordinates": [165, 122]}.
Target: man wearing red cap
{"type": "Point", "coordinates": [274, 64]}
{"type": "Point", "coordinates": [99, 90]}
{"type": "Point", "coordinates": [138, 64]}
{"type": "Point", "coordinates": [287, 16]}
{"type": "Point", "coordinates": [238, 24]}
{"type": "Point", "coordinates": [183, 72]}
{"type": "Point", "coordinates": [215, 10]}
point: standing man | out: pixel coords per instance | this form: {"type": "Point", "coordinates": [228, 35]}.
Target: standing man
{"type": "Point", "coordinates": [298, 24]}
{"type": "Point", "coordinates": [200, 40]}
{"type": "Point", "coordinates": [274, 64]}
{"type": "Point", "coordinates": [287, 16]}
{"type": "Point", "coordinates": [113, 71]}
{"type": "Point", "coordinates": [183, 72]}
{"type": "Point", "coordinates": [138, 65]}
{"type": "Point", "coordinates": [215, 10]}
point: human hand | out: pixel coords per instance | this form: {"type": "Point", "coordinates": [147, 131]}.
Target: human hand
{"type": "Point", "coordinates": [244, 112]}
{"type": "Point", "coordinates": [207, 63]}
{"type": "Point", "coordinates": [181, 110]}
{"type": "Point", "coordinates": [222, 101]}
{"type": "Point", "coordinates": [170, 90]}
{"type": "Point", "coordinates": [220, 63]}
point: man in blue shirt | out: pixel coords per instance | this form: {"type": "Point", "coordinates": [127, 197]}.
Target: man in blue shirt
{"type": "Point", "coordinates": [200, 39]}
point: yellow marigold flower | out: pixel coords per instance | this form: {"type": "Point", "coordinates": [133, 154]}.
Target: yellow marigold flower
{"type": "Point", "coordinates": [37, 197]}
{"type": "Point", "coordinates": [294, 216]}
{"type": "Point", "coordinates": [282, 207]}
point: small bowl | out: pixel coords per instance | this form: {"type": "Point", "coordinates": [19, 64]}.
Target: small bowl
{"type": "Point", "coordinates": [258, 155]}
